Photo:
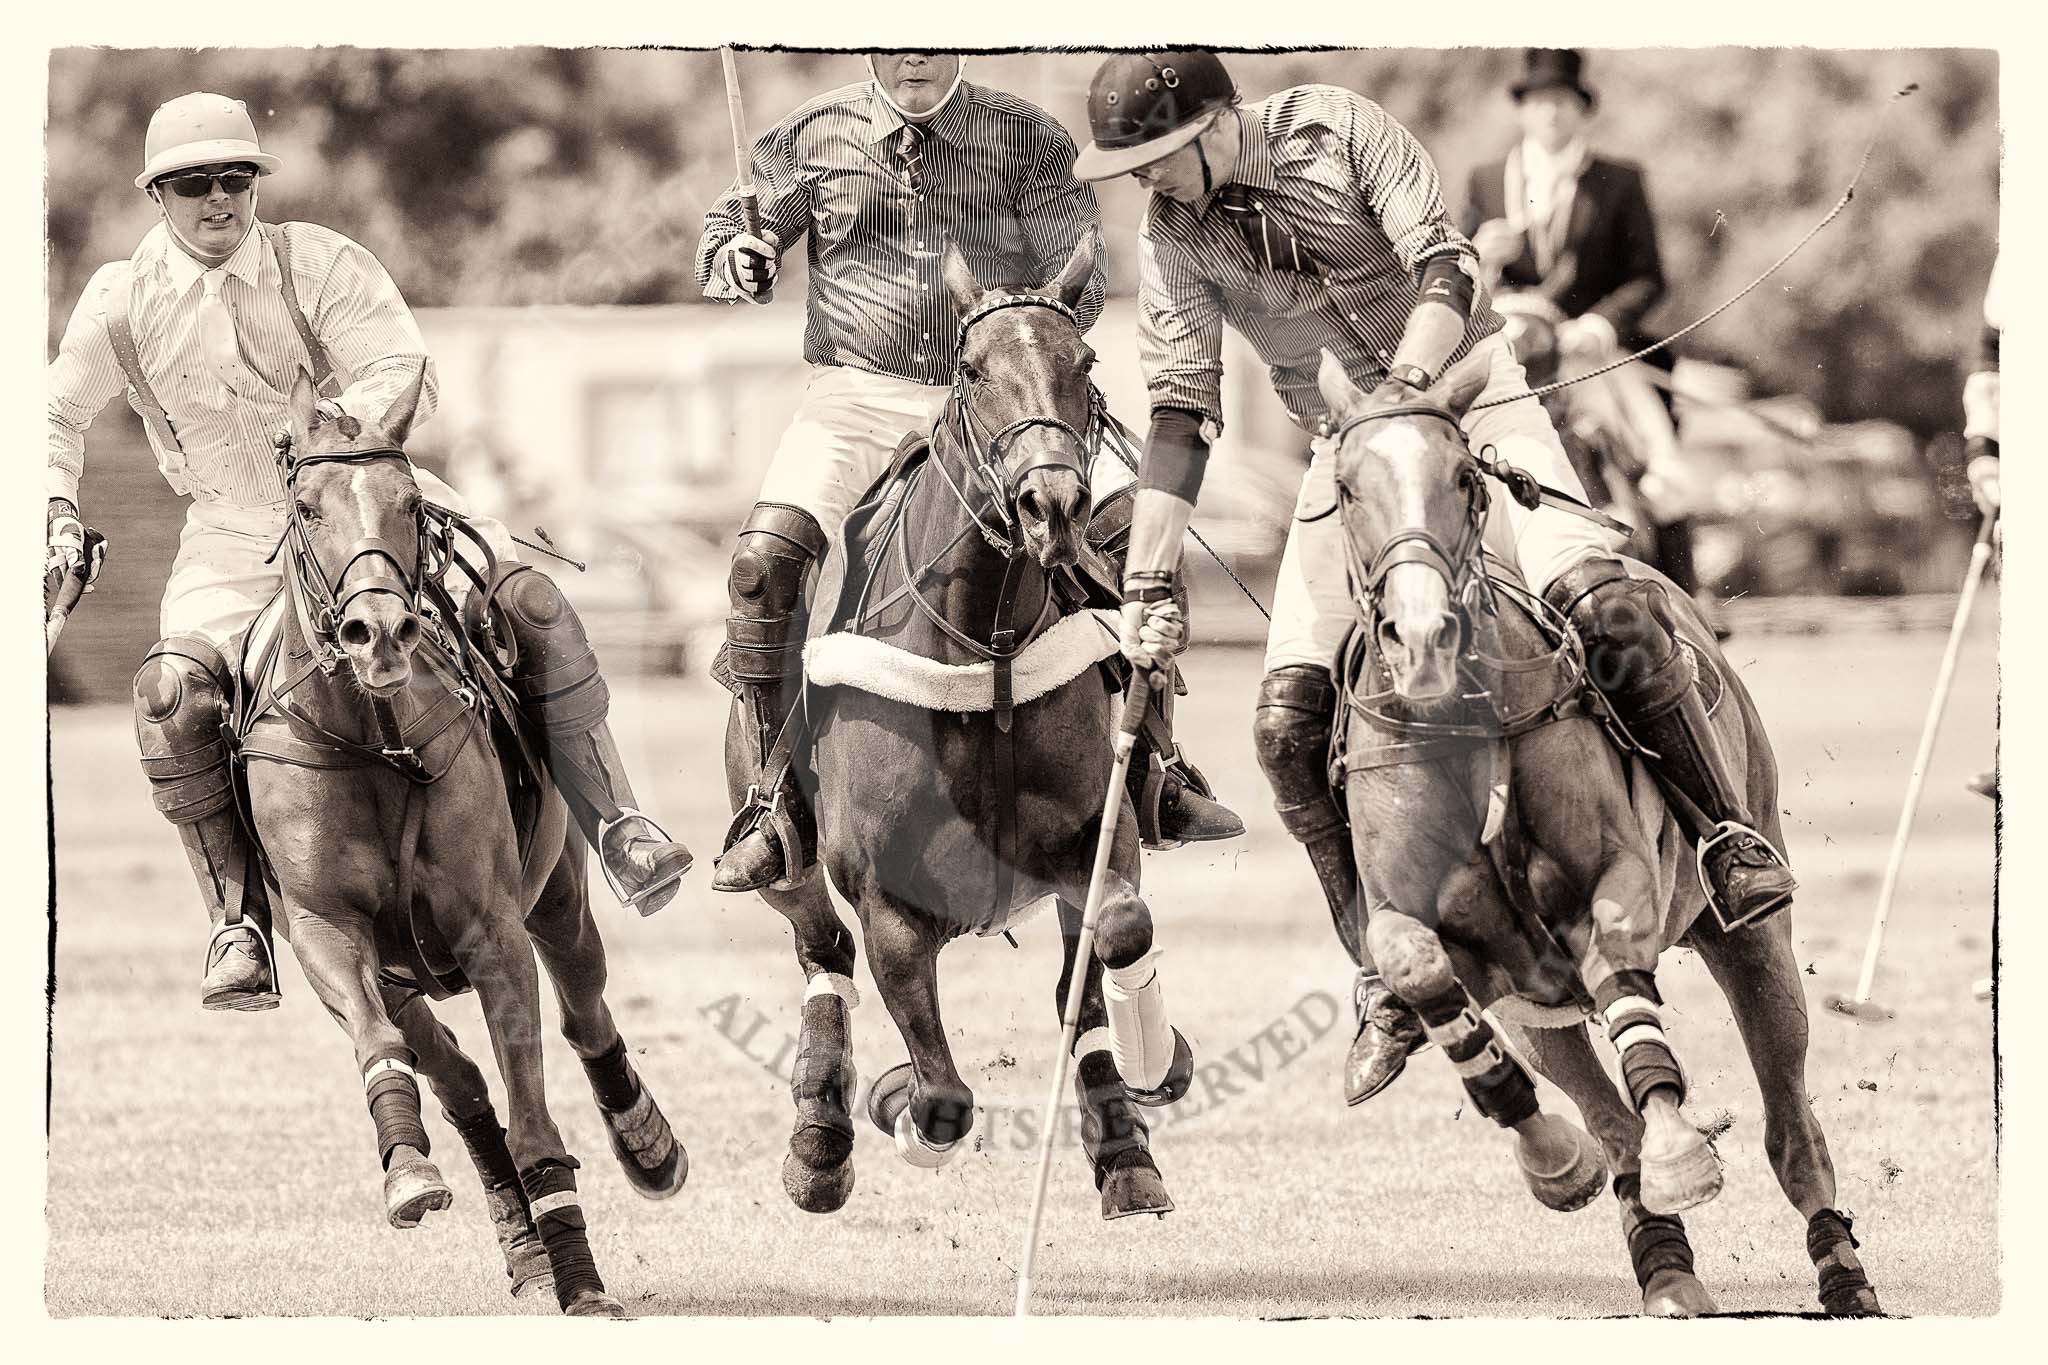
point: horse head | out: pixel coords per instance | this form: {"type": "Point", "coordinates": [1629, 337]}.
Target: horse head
{"type": "Point", "coordinates": [1413, 502]}
{"type": "Point", "coordinates": [1024, 401]}
{"type": "Point", "coordinates": [355, 523]}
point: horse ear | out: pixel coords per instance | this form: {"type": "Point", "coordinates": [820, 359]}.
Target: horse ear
{"type": "Point", "coordinates": [1339, 392]}
{"type": "Point", "coordinates": [398, 418]}
{"type": "Point", "coordinates": [1072, 281]}
{"type": "Point", "coordinates": [960, 282]}
{"type": "Point", "coordinates": [1461, 384]}
{"type": "Point", "coordinates": [302, 402]}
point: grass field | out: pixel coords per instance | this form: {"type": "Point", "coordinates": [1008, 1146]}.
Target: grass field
{"type": "Point", "coordinates": [209, 1164]}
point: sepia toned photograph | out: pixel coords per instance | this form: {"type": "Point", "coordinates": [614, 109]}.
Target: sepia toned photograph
{"type": "Point", "coordinates": [1160, 684]}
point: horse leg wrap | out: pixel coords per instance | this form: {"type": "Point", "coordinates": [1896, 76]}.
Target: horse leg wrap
{"type": "Point", "coordinates": [1296, 711]}
{"type": "Point", "coordinates": [1141, 1041]}
{"type": "Point", "coordinates": [1629, 1005]}
{"type": "Point", "coordinates": [1831, 1246]}
{"type": "Point", "coordinates": [1112, 1127]}
{"type": "Point", "coordinates": [1499, 1088]}
{"type": "Point", "coordinates": [1656, 1241]}
{"type": "Point", "coordinates": [558, 1215]}
{"type": "Point", "coordinates": [822, 1080]}
{"type": "Point", "coordinates": [612, 1079]}
{"type": "Point", "coordinates": [394, 1096]}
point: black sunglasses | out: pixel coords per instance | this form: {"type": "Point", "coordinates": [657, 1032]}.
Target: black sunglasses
{"type": "Point", "coordinates": [198, 184]}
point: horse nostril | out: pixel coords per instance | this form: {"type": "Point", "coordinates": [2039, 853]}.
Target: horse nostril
{"type": "Point", "coordinates": [355, 633]}
{"type": "Point", "coordinates": [1445, 636]}
{"type": "Point", "coordinates": [1029, 505]}
{"type": "Point", "coordinates": [1390, 635]}
{"type": "Point", "coordinates": [408, 632]}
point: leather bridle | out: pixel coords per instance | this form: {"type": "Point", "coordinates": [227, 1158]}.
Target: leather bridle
{"type": "Point", "coordinates": [324, 597]}
{"type": "Point", "coordinates": [984, 450]}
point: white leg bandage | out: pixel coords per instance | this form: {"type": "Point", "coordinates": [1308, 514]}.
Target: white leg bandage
{"type": "Point", "coordinates": [832, 983]}
{"type": "Point", "coordinates": [912, 1147]}
{"type": "Point", "coordinates": [1140, 1040]}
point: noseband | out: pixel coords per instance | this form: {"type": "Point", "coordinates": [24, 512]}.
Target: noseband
{"type": "Point", "coordinates": [328, 595]}
{"type": "Point", "coordinates": [984, 450]}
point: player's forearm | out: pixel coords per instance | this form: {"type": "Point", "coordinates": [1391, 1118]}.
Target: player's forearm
{"type": "Point", "coordinates": [1433, 333]}
{"type": "Point", "coordinates": [1159, 521]}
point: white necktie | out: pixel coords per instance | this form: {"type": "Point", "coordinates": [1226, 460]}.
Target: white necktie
{"type": "Point", "coordinates": [217, 339]}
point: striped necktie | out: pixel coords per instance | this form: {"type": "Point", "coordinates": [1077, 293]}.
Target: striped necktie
{"type": "Point", "coordinates": [1272, 243]}
{"type": "Point", "coordinates": [910, 151]}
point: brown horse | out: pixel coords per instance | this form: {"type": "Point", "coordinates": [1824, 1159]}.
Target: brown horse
{"type": "Point", "coordinates": [418, 850]}
{"type": "Point", "coordinates": [1518, 861]}
{"type": "Point", "coordinates": [934, 818]}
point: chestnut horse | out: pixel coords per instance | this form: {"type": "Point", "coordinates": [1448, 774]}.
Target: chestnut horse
{"type": "Point", "coordinates": [418, 850]}
{"type": "Point", "coordinates": [1515, 858]}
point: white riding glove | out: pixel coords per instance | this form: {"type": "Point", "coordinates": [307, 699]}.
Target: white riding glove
{"type": "Point", "coordinates": [745, 267]}
{"type": "Point", "coordinates": [1152, 632]}
{"type": "Point", "coordinates": [65, 545]}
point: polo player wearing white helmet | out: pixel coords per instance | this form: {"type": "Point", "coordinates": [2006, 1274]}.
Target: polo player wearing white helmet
{"type": "Point", "coordinates": [207, 324]}
{"type": "Point", "coordinates": [878, 176]}
{"type": "Point", "coordinates": [1314, 221]}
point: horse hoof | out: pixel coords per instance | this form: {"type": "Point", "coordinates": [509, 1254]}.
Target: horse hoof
{"type": "Point", "coordinates": [1675, 1294]}
{"type": "Point", "coordinates": [412, 1190]}
{"type": "Point", "coordinates": [1681, 1177]}
{"type": "Point", "coordinates": [532, 1280]}
{"type": "Point", "coordinates": [816, 1191]}
{"type": "Point", "coordinates": [1132, 1189]}
{"type": "Point", "coordinates": [889, 1096]}
{"type": "Point", "coordinates": [593, 1303]}
{"type": "Point", "coordinates": [1856, 1303]}
{"type": "Point", "coordinates": [1571, 1182]}
{"type": "Point", "coordinates": [646, 1148]}
{"type": "Point", "coordinates": [1180, 1074]}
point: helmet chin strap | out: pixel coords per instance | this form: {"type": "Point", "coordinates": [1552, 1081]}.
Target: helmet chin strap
{"type": "Point", "coordinates": [192, 248]}
{"type": "Point", "coordinates": [959, 73]}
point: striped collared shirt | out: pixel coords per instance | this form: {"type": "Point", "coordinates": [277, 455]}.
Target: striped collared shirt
{"type": "Point", "coordinates": [225, 450]}
{"type": "Point", "coordinates": [1362, 196]}
{"type": "Point", "coordinates": [998, 178]}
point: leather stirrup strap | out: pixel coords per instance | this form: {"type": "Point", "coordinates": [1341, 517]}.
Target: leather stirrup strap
{"type": "Point", "coordinates": [1002, 649]}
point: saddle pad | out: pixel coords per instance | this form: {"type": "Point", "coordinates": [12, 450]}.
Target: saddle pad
{"type": "Point", "coordinates": [1071, 646]}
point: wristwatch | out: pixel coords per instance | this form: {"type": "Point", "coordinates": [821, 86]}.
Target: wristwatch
{"type": "Point", "coordinates": [1414, 376]}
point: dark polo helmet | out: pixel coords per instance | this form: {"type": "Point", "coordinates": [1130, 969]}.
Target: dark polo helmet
{"type": "Point", "coordinates": [1145, 105]}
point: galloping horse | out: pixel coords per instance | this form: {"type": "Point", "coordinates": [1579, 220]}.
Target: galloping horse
{"type": "Point", "coordinates": [960, 779]}
{"type": "Point", "coordinates": [1516, 859]}
{"type": "Point", "coordinates": [418, 851]}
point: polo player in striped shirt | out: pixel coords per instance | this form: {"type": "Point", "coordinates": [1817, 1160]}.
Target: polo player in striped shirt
{"type": "Point", "coordinates": [876, 177]}
{"type": "Point", "coordinates": [207, 324]}
{"type": "Point", "coordinates": [1312, 220]}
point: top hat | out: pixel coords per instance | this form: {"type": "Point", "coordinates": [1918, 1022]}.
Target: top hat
{"type": "Point", "coordinates": [1551, 68]}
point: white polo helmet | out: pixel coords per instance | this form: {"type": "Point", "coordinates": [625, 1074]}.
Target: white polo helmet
{"type": "Point", "coordinates": [200, 129]}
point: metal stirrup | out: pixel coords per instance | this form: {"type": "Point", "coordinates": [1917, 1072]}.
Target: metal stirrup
{"type": "Point", "coordinates": [604, 832]}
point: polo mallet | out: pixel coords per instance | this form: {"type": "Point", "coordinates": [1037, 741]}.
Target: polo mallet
{"type": "Point", "coordinates": [1135, 701]}
{"type": "Point", "coordinates": [742, 155]}
{"type": "Point", "coordinates": [1861, 1007]}
{"type": "Point", "coordinates": [71, 587]}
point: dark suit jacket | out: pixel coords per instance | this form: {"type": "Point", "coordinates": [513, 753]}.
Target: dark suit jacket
{"type": "Point", "coordinates": [1608, 263]}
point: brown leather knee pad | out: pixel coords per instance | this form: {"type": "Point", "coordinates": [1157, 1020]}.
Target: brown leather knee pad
{"type": "Point", "coordinates": [181, 699]}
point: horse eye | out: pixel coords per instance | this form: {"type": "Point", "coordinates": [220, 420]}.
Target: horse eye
{"type": "Point", "coordinates": [306, 513]}
{"type": "Point", "coordinates": [968, 371]}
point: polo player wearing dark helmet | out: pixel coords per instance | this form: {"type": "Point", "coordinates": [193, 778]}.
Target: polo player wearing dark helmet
{"type": "Point", "coordinates": [1312, 220]}
{"type": "Point", "coordinates": [877, 177]}
{"type": "Point", "coordinates": [207, 324]}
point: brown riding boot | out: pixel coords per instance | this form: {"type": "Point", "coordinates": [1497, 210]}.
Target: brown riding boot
{"type": "Point", "coordinates": [553, 672]}
{"type": "Point", "coordinates": [769, 842]}
{"type": "Point", "coordinates": [1634, 658]}
{"type": "Point", "coordinates": [180, 699]}
{"type": "Point", "coordinates": [1297, 706]}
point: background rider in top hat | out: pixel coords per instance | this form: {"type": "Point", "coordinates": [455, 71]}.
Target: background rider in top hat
{"type": "Point", "coordinates": [203, 324]}
{"type": "Point", "coordinates": [1576, 228]}
{"type": "Point", "coordinates": [1313, 220]}
{"type": "Point", "coordinates": [877, 177]}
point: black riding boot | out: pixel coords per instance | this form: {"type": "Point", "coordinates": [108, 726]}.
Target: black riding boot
{"type": "Point", "coordinates": [1636, 663]}
{"type": "Point", "coordinates": [553, 672]}
{"type": "Point", "coordinates": [770, 842]}
{"type": "Point", "coordinates": [180, 701]}
{"type": "Point", "coordinates": [1297, 706]}
{"type": "Point", "coordinates": [1175, 803]}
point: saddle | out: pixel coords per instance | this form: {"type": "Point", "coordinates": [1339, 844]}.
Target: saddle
{"type": "Point", "coordinates": [466, 699]}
